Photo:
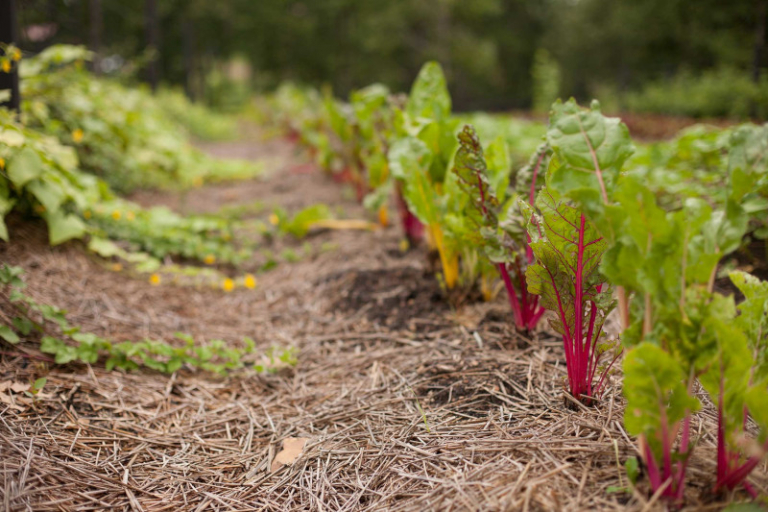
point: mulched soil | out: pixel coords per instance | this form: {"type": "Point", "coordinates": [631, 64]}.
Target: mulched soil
{"type": "Point", "coordinates": [408, 403]}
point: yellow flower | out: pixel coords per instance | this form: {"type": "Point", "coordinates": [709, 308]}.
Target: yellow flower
{"type": "Point", "coordinates": [116, 215]}
{"type": "Point", "coordinates": [154, 279]}
{"type": "Point", "coordinates": [117, 267]}
{"type": "Point", "coordinates": [197, 181]}
{"type": "Point", "coordinates": [274, 219]}
{"type": "Point", "coordinates": [6, 66]}
{"type": "Point", "coordinates": [130, 216]}
{"type": "Point", "coordinates": [87, 214]}
{"type": "Point", "coordinates": [404, 245]}
{"type": "Point", "coordinates": [77, 136]}
{"type": "Point", "coordinates": [250, 281]}
{"type": "Point", "coordinates": [228, 285]}
{"type": "Point", "coordinates": [16, 55]}
{"type": "Point", "coordinates": [209, 259]}
{"type": "Point", "coordinates": [2, 163]}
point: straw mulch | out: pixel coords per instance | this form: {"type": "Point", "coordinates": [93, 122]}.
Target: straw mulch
{"type": "Point", "coordinates": [399, 401]}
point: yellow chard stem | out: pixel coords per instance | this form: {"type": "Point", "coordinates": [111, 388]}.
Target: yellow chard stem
{"type": "Point", "coordinates": [450, 262]}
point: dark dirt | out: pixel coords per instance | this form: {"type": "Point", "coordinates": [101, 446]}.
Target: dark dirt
{"type": "Point", "coordinates": [400, 298]}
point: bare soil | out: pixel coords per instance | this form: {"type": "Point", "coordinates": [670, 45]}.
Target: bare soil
{"type": "Point", "coordinates": [407, 402]}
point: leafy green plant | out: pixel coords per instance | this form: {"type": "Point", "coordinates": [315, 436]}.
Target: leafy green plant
{"type": "Point", "coordinates": [667, 260]}
{"type": "Point", "coordinates": [161, 232]}
{"type": "Point", "coordinates": [568, 253]}
{"type": "Point", "coordinates": [199, 121]}
{"type": "Point", "coordinates": [736, 380]}
{"type": "Point", "coordinates": [69, 343]}
{"type": "Point", "coordinates": [302, 221]}
{"type": "Point", "coordinates": [122, 135]}
{"type": "Point", "coordinates": [504, 241]}
{"type": "Point", "coordinates": [39, 176]}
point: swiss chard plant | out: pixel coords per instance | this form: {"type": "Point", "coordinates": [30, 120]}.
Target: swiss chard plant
{"type": "Point", "coordinates": [569, 251]}
{"type": "Point", "coordinates": [503, 239]}
{"type": "Point", "coordinates": [737, 380]}
{"type": "Point", "coordinates": [668, 261]}
{"type": "Point", "coordinates": [420, 158]}
{"type": "Point", "coordinates": [373, 130]}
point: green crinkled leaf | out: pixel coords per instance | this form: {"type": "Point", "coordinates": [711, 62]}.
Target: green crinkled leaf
{"type": "Point", "coordinates": [656, 392]}
{"type": "Point", "coordinates": [25, 166]}
{"type": "Point", "coordinates": [408, 155]}
{"type": "Point", "coordinates": [472, 173]}
{"type": "Point", "coordinates": [63, 227]}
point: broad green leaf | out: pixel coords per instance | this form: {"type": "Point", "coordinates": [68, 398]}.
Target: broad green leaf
{"type": "Point", "coordinates": [728, 375]}
{"type": "Point", "coordinates": [50, 193]}
{"type": "Point", "coordinates": [657, 396]}
{"type": "Point", "coordinates": [24, 167]}
{"type": "Point", "coordinates": [591, 150]}
{"type": "Point", "coordinates": [104, 247]}
{"type": "Point", "coordinates": [499, 166]}
{"type": "Point", "coordinates": [422, 198]}
{"type": "Point", "coordinates": [63, 227]}
{"type": "Point", "coordinates": [757, 401]}
{"type": "Point", "coordinates": [300, 224]}
{"type": "Point", "coordinates": [11, 137]}
{"type": "Point", "coordinates": [8, 334]}
{"type": "Point", "coordinates": [429, 97]}
{"type": "Point", "coordinates": [747, 164]}
{"type": "Point", "coordinates": [753, 318]}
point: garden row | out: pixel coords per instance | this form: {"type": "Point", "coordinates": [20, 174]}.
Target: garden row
{"type": "Point", "coordinates": [78, 143]}
{"type": "Point", "coordinates": [588, 225]}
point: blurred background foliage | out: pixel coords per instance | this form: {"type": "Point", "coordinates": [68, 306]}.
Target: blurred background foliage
{"type": "Point", "coordinates": [702, 58]}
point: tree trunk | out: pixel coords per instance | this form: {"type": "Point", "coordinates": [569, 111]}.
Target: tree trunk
{"type": "Point", "coordinates": [96, 28]}
{"type": "Point", "coordinates": [9, 35]}
{"type": "Point", "coordinates": [759, 48]}
{"type": "Point", "coordinates": [152, 35]}
{"type": "Point", "coordinates": [188, 33]}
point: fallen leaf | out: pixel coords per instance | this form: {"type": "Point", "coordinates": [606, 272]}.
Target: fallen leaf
{"type": "Point", "coordinates": [20, 387]}
{"type": "Point", "coordinates": [292, 448]}
{"type": "Point", "coordinates": [6, 399]}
